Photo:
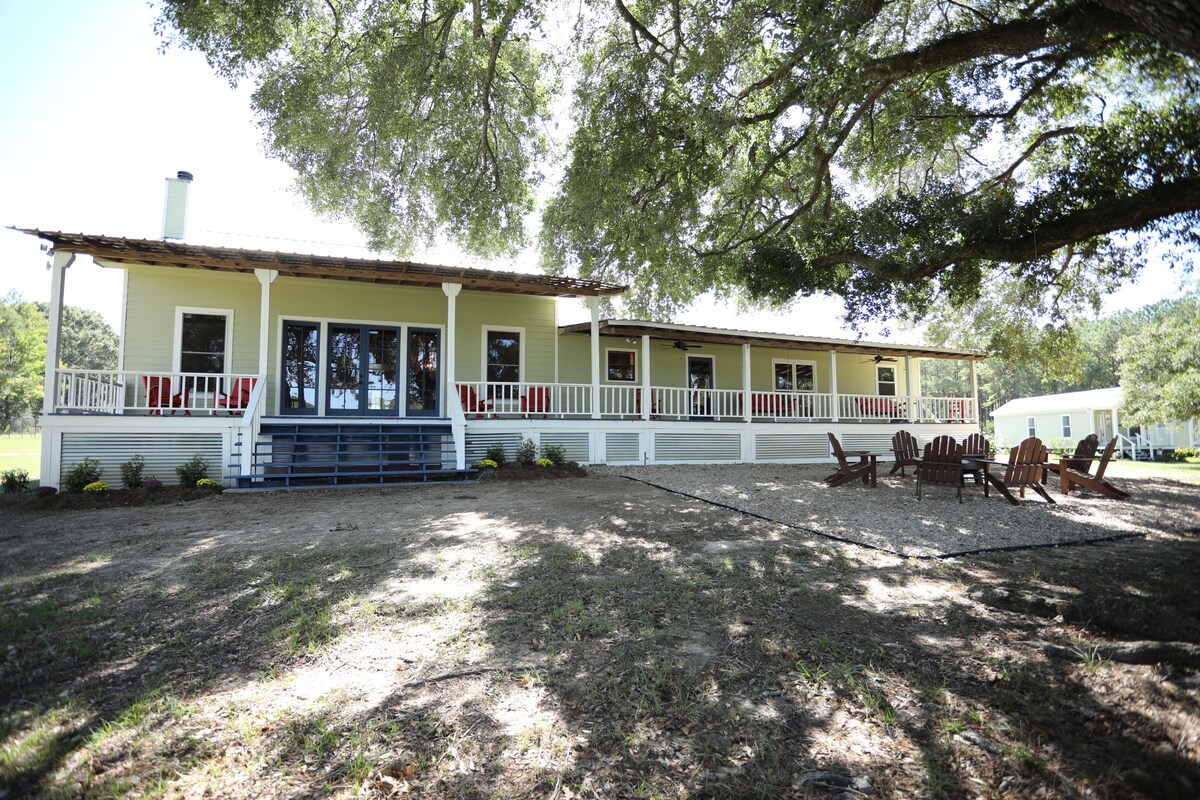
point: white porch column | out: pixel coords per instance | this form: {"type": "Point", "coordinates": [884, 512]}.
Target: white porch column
{"type": "Point", "coordinates": [833, 390]}
{"type": "Point", "coordinates": [975, 392]}
{"type": "Point", "coordinates": [746, 382]}
{"type": "Point", "coordinates": [908, 392]}
{"type": "Point", "coordinates": [647, 398]}
{"type": "Point", "coordinates": [594, 306]}
{"type": "Point", "coordinates": [58, 279]}
{"type": "Point", "coordinates": [265, 277]}
{"type": "Point", "coordinates": [451, 291]}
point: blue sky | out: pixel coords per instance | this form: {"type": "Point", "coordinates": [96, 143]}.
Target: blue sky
{"type": "Point", "coordinates": [93, 118]}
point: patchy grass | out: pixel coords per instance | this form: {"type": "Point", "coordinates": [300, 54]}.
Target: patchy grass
{"type": "Point", "coordinates": [516, 644]}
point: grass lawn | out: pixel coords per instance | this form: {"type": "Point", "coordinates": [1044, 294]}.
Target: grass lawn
{"type": "Point", "coordinates": [21, 452]}
{"type": "Point", "coordinates": [1126, 468]}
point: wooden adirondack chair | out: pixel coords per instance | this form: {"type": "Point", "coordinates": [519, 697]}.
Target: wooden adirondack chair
{"type": "Point", "coordinates": [977, 445]}
{"type": "Point", "coordinates": [238, 397]}
{"type": "Point", "coordinates": [1026, 466]}
{"type": "Point", "coordinates": [906, 450]}
{"type": "Point", "coordinates": [471, 403]}
{"type": "Point", "coordinates": [536, 401]}
{"type": "Point", "coordinates": [1085, 454]}
{"type": "Point", "coordinates": [942, 463]}
{"type": "Point", "coordinates": [848, 471]}
{"type": "Point", "coordinates": [1068, 477]}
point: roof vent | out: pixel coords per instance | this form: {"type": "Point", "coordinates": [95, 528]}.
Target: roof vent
{"type": "Point", "coordinates": [175, 206]}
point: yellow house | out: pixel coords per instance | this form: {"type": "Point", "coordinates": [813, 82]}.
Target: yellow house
{"type": "Point", "coordinates": [288, 369]}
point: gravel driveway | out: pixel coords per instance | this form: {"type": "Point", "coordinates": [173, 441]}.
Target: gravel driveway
{"type": "Point", "coordinates": [891, 518]}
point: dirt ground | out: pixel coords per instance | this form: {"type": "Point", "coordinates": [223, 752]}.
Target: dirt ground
{"type": "Point", "coordinates": [583, 637]}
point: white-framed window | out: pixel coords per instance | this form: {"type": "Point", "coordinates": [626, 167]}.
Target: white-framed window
{"type": "Point", "coordinates": [794, 376]}
{"type": "Point", "coordinates": [1031, 424]}
{"type": "Point", "coordinates": [620, 365]}
{"type": "Point", "coordinates": [1066, 426]}
{"type": "Point", "coordinates": [503, 354]}
{"type": "Point", "coordinates": [885, 380]}
{"type": "Point", "coordinates": [203, 340]}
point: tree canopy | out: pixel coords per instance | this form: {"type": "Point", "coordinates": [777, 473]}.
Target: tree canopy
{"type": "Point", "coordinates": [1160, 365]}
{"type": "Point", "coordinates": [892, 152]}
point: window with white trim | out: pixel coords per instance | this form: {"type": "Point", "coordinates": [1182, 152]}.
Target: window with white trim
{"type": "Point", "coordinates": [795, 376]}
{"type": "Point", "coordinates": [1031, 424]}
{"type": "Point", "coordinates": [203, 342]}
{"type": "Point", "coordinates": [885, 381]}
{"type": "Point", "coordinates": [1066, 426]}
{"type": "Point", "coordinates": [502, 354]}
{"type": "Point", "coordinates": [621, 365]}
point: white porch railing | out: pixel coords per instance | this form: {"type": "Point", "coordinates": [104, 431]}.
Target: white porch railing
{"type": "Point", "coordinates": [906, 408]}
{"type": "Point", "coordinates": [126, 392]}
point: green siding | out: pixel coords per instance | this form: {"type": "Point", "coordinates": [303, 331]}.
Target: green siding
{"type": "Point", "coordinates": [535, 315]}
{"type": "Point", "coordinates": [153, 295]}
{"type": "Point", "coordinates": [1011, 429]}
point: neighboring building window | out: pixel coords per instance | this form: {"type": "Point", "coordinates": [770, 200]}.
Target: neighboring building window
{"type": "Point", "coordinates": [795, 376]}
{"type": "Point", "coordinates": [1031, 424]}
{"type": "Point", "coordinates": [1066, 426]}
{"type": "Point", "coordinates": [885, 381]}
{"type": "Point", "coordinates": [203, 342]}
{"type": "Point", "coordinates": [503, 353]}
{"type": "Point", "coordinates": [622, 365]}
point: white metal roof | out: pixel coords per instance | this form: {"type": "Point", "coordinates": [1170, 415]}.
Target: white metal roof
{"type": "Point", "coordinates": [1066, 401]}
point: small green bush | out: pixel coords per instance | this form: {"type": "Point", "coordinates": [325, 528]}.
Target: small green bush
{"type": "Point", "coordinates": [14, 480]}
{"type": "Point", "coordinates": [45, 491]}
{"type": "Point", "coordinates": [192, 471]}
{"type": "Point", "coordinates": [207, 483]}
{"type": "Point", "coordinates": [1184, 453]}
{"type": "Point", "coordinates": [97, 487]}
{"type": "Point", "coordinates": [151, 484]}
{"type": "Point", "coordinates": [527, 453]}
{"type": "Point", "coordinates": [544, 463]}
{"type": "Point", "coordinates": [80, 475]}
{"type": "Point", "coordinates": [496, 453]}
{"type": "Point", "coordinates": [556, 453]}
{"type": "Point", "coordinates": [131, 472]}
{"type": "Point", "coordinates": [488, 463]}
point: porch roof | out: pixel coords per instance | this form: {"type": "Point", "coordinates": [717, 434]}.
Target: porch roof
{"type": "Point", "coordinates": [691, 333]}
{"type": "Point", "coordinates": [161, 253]}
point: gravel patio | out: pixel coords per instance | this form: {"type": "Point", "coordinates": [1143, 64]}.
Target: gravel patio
{"type": "Point", "coordinates": [892, 519]}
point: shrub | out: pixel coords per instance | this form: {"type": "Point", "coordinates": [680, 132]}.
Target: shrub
{"type": "Point", "coordinates": [488, 463]}
{"type": "Point", "coordinates": [80, 475]}
{"type": "Point", "coordinates": [45, 491]}
{"type": "Point", "coordinates": [544, 462]}
{"type": "Point", "coordinates": [97, 487]}
{"type": "Point", "coordinates": [1184, 453]}
{"type": "Point", "coordinates": [555, 453]}
{"type": "Point", "coordinates": [496, 453]}
{"type": "Point", "coordinates": [527, 453]}
{"type": "Point", "coordinates": [207, 483]}
{"type": "Point", "coordinates": [131, 472]}
{"type": "Point", "coordinates": [151, 484]}
{"type": "Point", "coordinates": [14, 480]}
{"type": "Point", "coordinates": [192, 471]}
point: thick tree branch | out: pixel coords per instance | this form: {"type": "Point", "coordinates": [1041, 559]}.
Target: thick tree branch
{"type": "Point", "coordinates": [1038, 142]}
{"type": "Point", "coordinates": [638, 27]}
{"type": "Point", "coordinates": [1013, 38]}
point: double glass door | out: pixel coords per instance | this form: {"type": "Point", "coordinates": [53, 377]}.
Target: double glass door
{"type": "Point", "coordinates": [363, 371]}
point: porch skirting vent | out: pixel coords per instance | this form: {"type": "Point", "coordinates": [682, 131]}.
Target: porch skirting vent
{"type": "Point", "coordinates": [771, 447]}
{"type": "Point", "coordinates": [576, 446]}
{"type": "Point", "coordinates": [623, 448]}
{"type": "Point", "coordinates": [163, 453]}
{"type": "Point", "coordinates": [874, 442]}
{"type": "Point", "coordinates": [697, 447]}
{"type": "Point", "coordinates": [478, 443]}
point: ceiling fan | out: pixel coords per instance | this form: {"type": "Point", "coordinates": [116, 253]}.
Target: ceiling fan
{"type": "Point", "coordinates": [679, 345]}
{"type": "Point", "coordinates": [878, 359]}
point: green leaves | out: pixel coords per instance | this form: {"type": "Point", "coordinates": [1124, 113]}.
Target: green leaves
{"type": "Point", "coordinates": [1160, 365]}
{"type": "Point", "coordinates": [889, 152]}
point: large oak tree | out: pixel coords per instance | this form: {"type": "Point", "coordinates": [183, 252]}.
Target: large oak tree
{"type": "Point", "coordinates": [891, 152]}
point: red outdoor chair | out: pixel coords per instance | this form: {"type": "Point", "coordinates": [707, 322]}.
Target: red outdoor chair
{"type": "Point", "coordinates": [239, 395]}
{"type": "Point", "coordinates": [536, 401]}
{"type": "Point", "coordinates": [471, 403]}
{"type": "Point", "coordinates": [653, 404]}
{"type": "Point", "coordinates": [158, 395]}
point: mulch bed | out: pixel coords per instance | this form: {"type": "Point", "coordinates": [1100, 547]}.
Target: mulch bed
{"type": "Point", "coordinates": [66, 501]}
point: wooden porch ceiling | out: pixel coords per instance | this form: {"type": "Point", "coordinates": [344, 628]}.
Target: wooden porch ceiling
{"type": "Point", "coordinates": [160, 253]}
{"type": "Point", "coordinates": [697, 335]}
